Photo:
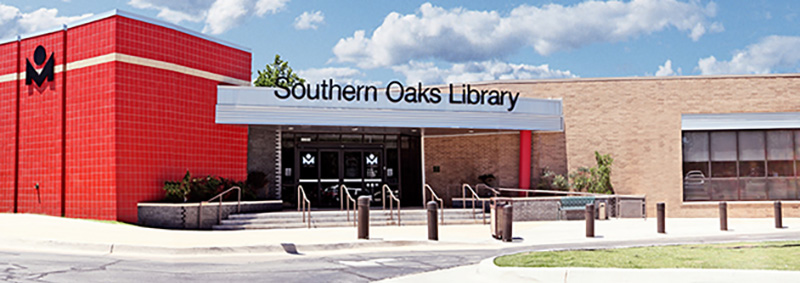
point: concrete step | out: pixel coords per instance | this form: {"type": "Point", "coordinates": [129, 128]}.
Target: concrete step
{"type": "Point", "coordinates": [293, 219]}
{"type": "Point", "coordinates": [315, 224]}
{"type": "Point", "coordinates": [339, 214]}
{"type": "Point", "coordinates": [325, 219]}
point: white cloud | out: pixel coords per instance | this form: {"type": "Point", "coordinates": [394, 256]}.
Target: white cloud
{"type": "Point", "coordinates": [340, 75]}
{"type": "Point", "coordinates": [459, 35]}
{"type": "Point", "coordinates": [270, 6]}
{"type": "Point", "coordinates": [666, 70]}
{"type": "Point", "coordinates": [760, 58]}
{"type": "Point", "coordinates": [176, 11]}
{"type": "Point", "coordinates": [224, 14]}
{"type": "Point", "coordinates": [309, 20]}
{"type": "Point", "coordinates": [218, 15]}
{"type": "Point", "coordinates": [428, 73]}
{"type": "Point", "coordinates": [15, 22]}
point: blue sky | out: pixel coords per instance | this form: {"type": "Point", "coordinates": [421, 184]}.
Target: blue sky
{"type": "Point", "coordinates": [462, 41]}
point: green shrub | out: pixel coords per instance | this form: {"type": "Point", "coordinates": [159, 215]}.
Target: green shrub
{"type": "Point", "coordinates": [593, 180]}
{"type": "Point", "coordinates": [202, 189]}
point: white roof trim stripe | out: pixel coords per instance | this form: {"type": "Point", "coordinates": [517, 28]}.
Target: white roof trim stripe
{"type": "Point", "coordinates": [129, 15]}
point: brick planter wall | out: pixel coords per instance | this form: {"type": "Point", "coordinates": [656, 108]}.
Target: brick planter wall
{"type": "Point", "coordinates": [184, 215]}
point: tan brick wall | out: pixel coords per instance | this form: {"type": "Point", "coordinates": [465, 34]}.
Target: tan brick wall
{"type": "Point", "coordinates": [549, 151]}
{"type": "Point", "coordinates": [463, 158]}
{"type": "Point", "coordinates": [638, 121]}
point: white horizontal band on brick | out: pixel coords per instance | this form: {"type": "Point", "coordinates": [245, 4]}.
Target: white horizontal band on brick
{"type": "Point", "coordinates": [8, 77]}
{"type": "Point", "coordinates": [13, 76]}
{"type": "Point", "coordinates": [119, 57]}
{"type": "Point", "coordinates": [178, 68]}
{"type": "Point", "coordinates": [740, 121]}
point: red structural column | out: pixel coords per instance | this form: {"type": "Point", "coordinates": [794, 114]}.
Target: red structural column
{"type": "Point", "coordinates": [524, 160]}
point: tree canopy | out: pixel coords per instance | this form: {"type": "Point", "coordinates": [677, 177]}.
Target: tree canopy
{"type": "Point", "coordinates": [279, 68]}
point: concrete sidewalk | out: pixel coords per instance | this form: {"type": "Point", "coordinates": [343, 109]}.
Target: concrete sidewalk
{"type": "Point", "coordinates": [486, 271]}
{"type": "Point", "coordinates": [56, 234]}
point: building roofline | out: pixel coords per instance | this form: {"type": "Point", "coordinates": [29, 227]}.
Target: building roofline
{"type": "Point", "coordinates": [129, 15]}
{"type": "Point", "coordinates": [652, 78]}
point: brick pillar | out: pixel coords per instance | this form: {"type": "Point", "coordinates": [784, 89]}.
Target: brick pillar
{"type": "Point", "coordinates": [524, 160]}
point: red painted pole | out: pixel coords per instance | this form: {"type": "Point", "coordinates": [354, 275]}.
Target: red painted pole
{"type": "Point", "coordinates": [524, 160]}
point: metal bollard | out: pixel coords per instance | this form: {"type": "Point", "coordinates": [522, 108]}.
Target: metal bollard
{"type": "Point", "coordinates": [433, 225]}
{"type": "Point", "coordinates": [778, 215]}
{"type": "Point", "coordinates": [589, 220]}
{"type": "Point", "coordinates": [723, 216]}
{"type": "Point", "coordinates": [508, 218]}
{"type": "Point", "coordinates": [363, 217]}
{"type": "Point", "coordinates": [661, 212]}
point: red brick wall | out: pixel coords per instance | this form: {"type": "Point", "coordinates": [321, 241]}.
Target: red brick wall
{"type": "Point", "coordinates": [167, 45]}
{"type": "Point", "coordinates": [41, 133]}
{"type": "Point", "coordinates": [165, 120]}
{"type": "Point", "coordinates": [8, 100]}
{"type": "Point", "coordinates": [165, 128]}
{"type": "Point", "coordinates": [129, 127]}
{"type": "Point", "coordinates": [91, 170]}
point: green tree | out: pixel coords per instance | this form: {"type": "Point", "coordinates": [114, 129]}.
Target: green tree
{"type": "Point", "coordinates": [278, 69]}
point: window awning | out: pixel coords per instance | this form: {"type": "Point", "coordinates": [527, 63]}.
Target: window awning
{"type": "Point", "coordinates": [740, 121]}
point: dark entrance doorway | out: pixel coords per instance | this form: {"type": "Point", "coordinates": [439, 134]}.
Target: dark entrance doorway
{"type": "Point", "coordinates": [322, 162]}
{"type": "Point", "coordinates": [322, 171]}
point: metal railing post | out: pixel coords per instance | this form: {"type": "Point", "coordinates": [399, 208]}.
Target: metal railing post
{"type": "Point", "coordinates": [723, 216]}
{"type": "Point", "coordinates": [363, 217]}
{"type": "Point", "coordinates": [661, 215]}
{"type": "Point", "coordinates": [508, 221]}
{"type": "Point", "coordinates": [433, 226]}
{"type": "Point", "coordinates": [589, 213]}
{"type": "Point", "coordinates": [778, 215]}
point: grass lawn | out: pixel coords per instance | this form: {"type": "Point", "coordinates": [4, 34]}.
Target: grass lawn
{"type": "Point", "coordinates": [762, 255]}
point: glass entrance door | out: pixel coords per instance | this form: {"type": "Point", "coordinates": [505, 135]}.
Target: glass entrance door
{"type": "Point", "coordinates": [308, 177]}
{"type": "Point", "coordinates": [323, 170]}
{"type": "Point", "coordinates": [373, 173]}
{"type": "Point", "coordinates": [329, 177]}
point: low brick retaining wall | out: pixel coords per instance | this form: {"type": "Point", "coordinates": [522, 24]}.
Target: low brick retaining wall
{"type": "Point", "coordinates": [546, 208]}
{"type": "Point", "coordinates": [184, 215]}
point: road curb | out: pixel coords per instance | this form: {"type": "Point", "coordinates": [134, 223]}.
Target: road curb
{"type": "Point", "coordinates": [127, 249]}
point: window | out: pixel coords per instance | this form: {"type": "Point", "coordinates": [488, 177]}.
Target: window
{"type": "Point", "coordinates": [741, 165]}
{"type": "Point", "coordinates": [723, 154]}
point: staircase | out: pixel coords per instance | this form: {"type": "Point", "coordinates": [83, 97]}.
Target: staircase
{"type": "Point", "coordinates": [320, 219]}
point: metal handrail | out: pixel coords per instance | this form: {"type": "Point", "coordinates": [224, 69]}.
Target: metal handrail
{"type": "Point", "coordinates": [474, 197]}
{"type": "Point", "coordinates": [391, 197]}
{"type": "Point", "coordinates": [350, 198]}
{"type": "Point", "coordinates": [494, 191]}
{"type": "Point", "coordinates": [434, 197]}
{"type": "Point", "coordinates": [302, 200]}
{"type": "Point", "coordinates": [526, 191]}
{"type": "Point", "coordinates": [219, 207]}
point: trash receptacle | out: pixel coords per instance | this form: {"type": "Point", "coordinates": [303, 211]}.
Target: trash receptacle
{"type": "Point", "coordinates": [601, 212]}
{"type": "Point", "coordinates": [496, 216]}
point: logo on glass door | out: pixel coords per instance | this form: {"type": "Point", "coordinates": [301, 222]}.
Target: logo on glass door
{"type": "Point", "coordinates": [308, 159]}
{"type": "Point", "coordinates": [372, 159]}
